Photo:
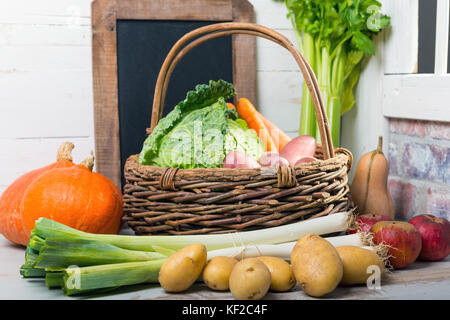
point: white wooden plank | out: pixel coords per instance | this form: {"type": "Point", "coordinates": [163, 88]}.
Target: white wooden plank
{"type": "Point", "coordinates": [44, 35]}
{"type": "Point", "coordinates": [442, 24]}
{"type": "Point", "coordinates": [272, 57]}
{"type": "Point", "coordinates": [22, 155]}
{"type": "Point", "coordinates": [402, 38]}
{"type": "Point", "coordinates": [279, 98]}
{"type": "Point", "coordinates": [47, 12]}
{"type": "Point", "coordinates": [271, 14]}
{"type": "Point", "coordinates": [361, 126]}
{"type": "Point", "coordinates": [46, 103]}
{"type": "Point", "coordinates": [45, 58]}
{"type": "Point", "coordinates": [424, 96]}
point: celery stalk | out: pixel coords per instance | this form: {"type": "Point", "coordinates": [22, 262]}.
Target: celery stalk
{"type": "Point", "coordinates": [333, 36]}
{"type": "Point", "coordinates": [308, 115]}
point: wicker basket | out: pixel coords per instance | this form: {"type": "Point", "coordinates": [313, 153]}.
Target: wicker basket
{"type": "Point", "coordinates": [217, 200]}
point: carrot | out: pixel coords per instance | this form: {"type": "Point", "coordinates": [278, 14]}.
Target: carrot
{"type": "Point", "coordinates": [276, 133]}
{"type": "Point", "coordinates": [230, 105]}
{"type": "Point", "coordinates": [248, 112]}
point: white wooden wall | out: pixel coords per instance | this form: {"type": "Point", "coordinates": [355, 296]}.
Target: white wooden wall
{"type": "Point", "coordinates": [46, 83]}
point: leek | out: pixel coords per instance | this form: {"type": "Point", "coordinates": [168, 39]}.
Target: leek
{"type": "Point", "coordinates": [60, 253]}
{"type": "Point", "coordinates": [89, 279]}
{"type": "Point", "coordinates": [31, 272]}
{"type": "Point", "coordinates": [337, 222]}
{"type": "Point", "coordinates": [54, 279]}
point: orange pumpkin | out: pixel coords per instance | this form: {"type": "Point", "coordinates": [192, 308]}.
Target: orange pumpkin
{"type": "Point", "coordinates": [11, 223]}
{"type": "Point", "coordinates": [76, 197]}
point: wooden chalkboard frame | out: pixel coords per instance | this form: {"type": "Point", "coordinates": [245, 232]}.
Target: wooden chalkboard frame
{"type": "Point", "coordinates": [104, 16]}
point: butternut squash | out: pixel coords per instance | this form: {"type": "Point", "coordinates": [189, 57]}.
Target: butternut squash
{"type": "Point", "coordinates": [369, 189]}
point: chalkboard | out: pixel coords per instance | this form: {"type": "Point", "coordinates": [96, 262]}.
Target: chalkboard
{"type": "Point", "coordinates": [141, 49]}
{"type": "Point", "coordinates": [131, 39]}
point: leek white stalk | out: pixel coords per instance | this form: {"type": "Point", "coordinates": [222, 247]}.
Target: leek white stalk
{"type": "Point", "coordinates": [284, 250]}
{"type": "Point", "coordinates": [336, 222]}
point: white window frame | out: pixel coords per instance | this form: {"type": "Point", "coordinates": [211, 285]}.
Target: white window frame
{"type": "Point", "coordinates": [390, 86]}
{"type": "Point", "coordinates": [405, 94]}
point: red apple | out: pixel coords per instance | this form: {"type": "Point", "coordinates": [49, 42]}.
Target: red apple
{"type": "Point", "coordinates": [366, 221]}
{"type": "Point", "coordinates": [435, 233]}
{"type": "Point", "coordinates": [403, 240]}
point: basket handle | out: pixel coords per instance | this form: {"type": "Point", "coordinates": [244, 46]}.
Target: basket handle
{"type": "Point", "coordinates": [206, 33]}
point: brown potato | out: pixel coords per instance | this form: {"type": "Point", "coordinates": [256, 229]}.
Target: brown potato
{"type": "Point", "coordinates": [317, 265]}
{"type": "Point", "coordinates": [356, 262]}
{"type": "Point", "coordinates": [281, 274]}
{"type": "Point", "coordinates": [250, 279]}
{"type": "Point", "coordinates": [182, 268]}
{"type": "Point", "coordinates": [216, 274]}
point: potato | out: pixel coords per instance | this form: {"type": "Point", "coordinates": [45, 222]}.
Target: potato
{"type": "Point", "coordinates": [216, 274]}
{"type": "Point", "coordinates": [250, 279]}
{"type": "Point", "coordinates": [356, 260]}
{"type": "Point", "coordinates": [182, 268]}
{"type": "Point", "coordinates": [272, 159]}
{"type": "Point", "coordinates": [240, 160]}
{"type": "Point", "coordinates": [316, 264]}
{"type": "Point", "coordinates": [281, 274]}
{"type": "Point", "coordinates": [301, 146]}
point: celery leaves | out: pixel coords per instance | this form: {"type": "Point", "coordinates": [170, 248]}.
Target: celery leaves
{"type": "Point", "coordinates": [334, 36]}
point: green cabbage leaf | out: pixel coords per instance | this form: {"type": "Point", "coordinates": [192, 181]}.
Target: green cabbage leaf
{"type": "Point", "coordinates": [200, 131]}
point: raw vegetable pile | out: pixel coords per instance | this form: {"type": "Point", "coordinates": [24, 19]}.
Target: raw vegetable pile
{"type": "Point", "coordinates": [248, 264]}
{"type": "Point", "coordinates": [204, 131]}
{"type": "Point", "coordinates": [334, 36]}
{"type": "Point", "coordinates": [80, 262]}
{"type": "Point", "coordinates": [200, 131]}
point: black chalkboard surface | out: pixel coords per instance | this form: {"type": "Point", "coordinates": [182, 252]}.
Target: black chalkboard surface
{"type": "Point", "coordinates": [130, 40]}
{"type": "Point", "coordinates": [142, 46]}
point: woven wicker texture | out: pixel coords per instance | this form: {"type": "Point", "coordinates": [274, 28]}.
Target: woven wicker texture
{"type": "Point", "coordinates": [216, 200]}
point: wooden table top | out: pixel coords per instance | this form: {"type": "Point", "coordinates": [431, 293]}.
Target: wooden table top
{"type": "Point", "coordinates": [421, 280]}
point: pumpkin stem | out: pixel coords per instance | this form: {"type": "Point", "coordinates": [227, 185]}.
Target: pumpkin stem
{"type": "Point", "coordinates": [380, 144]}
{"type": "Point", "coordinates": [65, 152]}
{"type": "Point", "coordinates": [89, 162]}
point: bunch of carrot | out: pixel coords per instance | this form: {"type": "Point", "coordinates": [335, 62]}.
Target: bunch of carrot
{"type": "Point", "coordinates": [274, 138]}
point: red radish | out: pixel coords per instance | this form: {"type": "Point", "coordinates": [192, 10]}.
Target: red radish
{"type": "Point", "coordinates": [403, 240]}
{"type": "Point", "coordinates": [272, 159]}
{"type": "Point", "coordinates": [238, 159]}
{"type": "Point", "coordinates": [301, 146]}
{"type": "Point", "coordinates": [366, 221]}
{"type": "Point", "coordinates": [305, 160]}
{"type": "Point", "coordinates": [435, 234]}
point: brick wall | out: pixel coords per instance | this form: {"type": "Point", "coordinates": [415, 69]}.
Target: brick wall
{"type": "Point", "coordinates": [419, 173]}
